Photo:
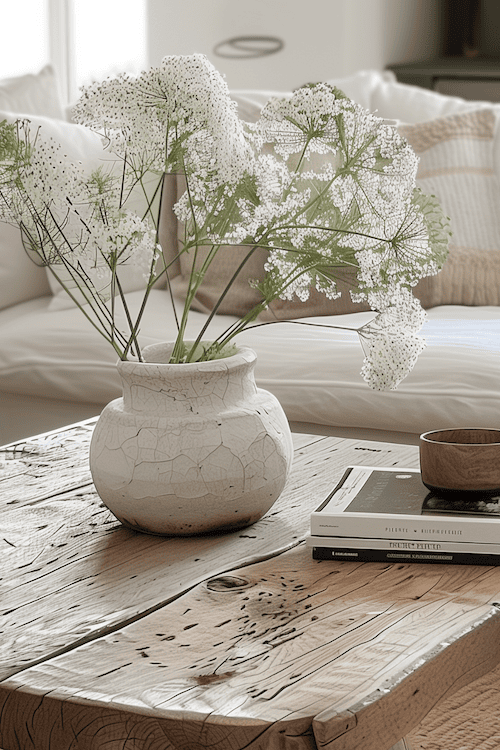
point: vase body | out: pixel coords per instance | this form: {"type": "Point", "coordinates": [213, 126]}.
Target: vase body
{"type": "Point", "coordinates": [190, 448]}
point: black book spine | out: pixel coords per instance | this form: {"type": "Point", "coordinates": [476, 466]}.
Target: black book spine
{"type": "Point", "coordinates": [394, 556]}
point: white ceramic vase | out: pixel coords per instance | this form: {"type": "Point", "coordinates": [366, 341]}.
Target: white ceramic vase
{"type": "Point", "coordinates": [190, 448]}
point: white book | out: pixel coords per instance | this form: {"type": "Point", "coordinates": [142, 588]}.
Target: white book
{"type": "Point", "coordinates": [393, 503]}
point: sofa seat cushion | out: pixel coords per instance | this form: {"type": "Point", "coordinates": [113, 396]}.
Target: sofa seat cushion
{"type": "Point", "coordinates": [314, 371]}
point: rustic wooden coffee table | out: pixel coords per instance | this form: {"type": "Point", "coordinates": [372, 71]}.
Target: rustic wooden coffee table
{"type": "Point", "coordinates": [114, 639]}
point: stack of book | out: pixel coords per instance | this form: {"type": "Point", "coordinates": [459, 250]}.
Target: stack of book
{"type": "Point", "coordinates": [388, 515]}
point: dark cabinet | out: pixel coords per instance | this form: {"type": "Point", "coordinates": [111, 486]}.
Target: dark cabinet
{"type": "Point", "coordinates": [475, 78]}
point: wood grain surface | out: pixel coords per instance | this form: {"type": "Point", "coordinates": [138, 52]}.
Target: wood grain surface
{"type": "Point", "coordinates": [117, 640]}
{"type": "Point", "coordinates": [269, 652]}
{"type": "Point", "coordinates": [70, 572]}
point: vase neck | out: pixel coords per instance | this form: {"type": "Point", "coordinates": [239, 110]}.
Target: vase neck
{"type": "Point", "coordinates": [195, 388]}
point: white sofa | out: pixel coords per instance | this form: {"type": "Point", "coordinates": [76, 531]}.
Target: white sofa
{"type": "Point", "coordinates": [55, 369]}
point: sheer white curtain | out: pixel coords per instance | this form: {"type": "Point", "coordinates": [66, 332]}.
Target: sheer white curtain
{"type": "Point", "coordinates": [25, 37]}
{"type": "Point", "coordinates": [85, 40]}
{"type": "Point", "coordinates": [109, 37]}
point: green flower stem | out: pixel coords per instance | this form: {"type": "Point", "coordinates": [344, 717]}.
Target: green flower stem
{"type": "Point", "coordinates": [100, 310]}
{"type": "Point", "coordinates": [81, 307]}
{"type": "Point", "coordinates": [133, 341]}
{"type": "Point", "coordinates": [195, 281]}
{"type": "Point", "coordinates": [105, 319]}
{"type": "Point", "coordinates": [195, 278]}
{"type": "Point", "coordinates": [332, 230]}
{"type": "Point", "coordinates": [219, 301]}
{"type": "Point", "coordinates": [238, 327]}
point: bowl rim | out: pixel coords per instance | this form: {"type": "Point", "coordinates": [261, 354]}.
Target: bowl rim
{"type": "Point", "coordinates": [425, 436]}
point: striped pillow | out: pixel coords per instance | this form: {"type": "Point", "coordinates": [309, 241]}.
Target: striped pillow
{"type": "Point", "coordinates": [456, 165]}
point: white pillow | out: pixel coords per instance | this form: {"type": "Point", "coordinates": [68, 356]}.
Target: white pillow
{"type": "Point", "coordinates": [32, 94]}
{"type": "Point", "coordinates": [359, 87]}
{"type": "Point", "coordinates": [413, 104]}
{"type": "Point", "coordinates": [79, 144]}
{"type": "Point", "coordinates": [251, 103]}
{"type": "Point", "coordinates": [20, 278]}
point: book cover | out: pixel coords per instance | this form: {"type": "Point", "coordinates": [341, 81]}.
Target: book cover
{"type": "Point", "coordinates": [408, 550]}
{"type": "Point", "coordinates": [377, 555]}
{"type": "Point", "coordinates": [393, 503]}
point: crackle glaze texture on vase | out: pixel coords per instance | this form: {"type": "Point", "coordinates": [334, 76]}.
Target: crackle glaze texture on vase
{"type": "Point", "coordinates": [190, 448]}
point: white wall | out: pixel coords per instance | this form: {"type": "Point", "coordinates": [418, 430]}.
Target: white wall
{"type": "Point", "coordinates": [322, 38]}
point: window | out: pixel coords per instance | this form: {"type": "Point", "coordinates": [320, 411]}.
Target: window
{"type": "Point", "coordinates": [85, 40]}
{"type": "Point", "coordinates": [25, 38]}
{"type": "Point", "coordinates": [109, 37]}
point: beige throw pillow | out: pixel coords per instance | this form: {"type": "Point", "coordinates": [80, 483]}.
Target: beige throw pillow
{"type": "Point", "coordinates": [317, 303]}
{"type": "Point", "coordinates": [456, 165]}
{"type": "Point", "coordinates": [241, 297]}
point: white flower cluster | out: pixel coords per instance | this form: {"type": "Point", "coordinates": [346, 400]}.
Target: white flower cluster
{"type": "Point", "coordinates": [123, 240]}
{"type": "Point", "coordinates": [73, 219]}
{"type": "Point", "coordinates": [363, 176]}
{"type": "Point", "coordinates": [177, 117]}
{"type": "Point", "coordinates": [390, 341]}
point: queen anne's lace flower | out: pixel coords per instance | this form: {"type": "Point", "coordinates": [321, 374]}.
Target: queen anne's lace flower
{"type": "Point", "coordinates": [390, 356]}
{"type": "Point", "coordinates": [391, 342]}
{"type": "Point", "coordinates": [177, 117]}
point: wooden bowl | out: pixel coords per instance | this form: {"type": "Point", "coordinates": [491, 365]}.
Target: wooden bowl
{"type": "Point", "coordinates": [461, 460]}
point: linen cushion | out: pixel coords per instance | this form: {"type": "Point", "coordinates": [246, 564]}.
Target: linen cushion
{"type": "Point", "coordinates": [240, 298]}
{"type": "Point", "coordinates": [32, 94]}
{"type": "Point", "coordinates": [456, 165]}
{"type": "Point", "coordinates": [80, 145]}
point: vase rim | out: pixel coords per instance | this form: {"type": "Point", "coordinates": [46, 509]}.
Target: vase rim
{"type": "Point", "coordinates": [243, 355]}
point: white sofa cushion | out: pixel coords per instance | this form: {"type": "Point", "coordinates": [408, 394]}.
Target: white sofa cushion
{"type": "Point", "coordinates": [407, 103]}
{"type": "Point", "coordinates": [361, 87]}
{"type": "Point", "coordinates": [314, 371]}
{"type": "Point", "coordinates": [20, 278]}
{"type": "Point", "coordinates": [33, 94]}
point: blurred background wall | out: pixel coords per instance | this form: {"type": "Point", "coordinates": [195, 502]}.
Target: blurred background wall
{"type": "Point", "coordinates": [321, 38]}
